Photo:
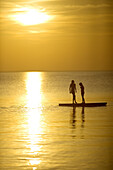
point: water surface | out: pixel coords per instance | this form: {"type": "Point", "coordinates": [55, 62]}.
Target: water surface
{"type": "Point", "coordinates": [35, 133]}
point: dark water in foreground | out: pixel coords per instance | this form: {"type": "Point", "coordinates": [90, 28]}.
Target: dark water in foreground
{"type": "Point", "coordinates": [35, 133]}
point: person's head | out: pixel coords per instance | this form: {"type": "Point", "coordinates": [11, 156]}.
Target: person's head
{"type": "Point", "coordinates": [72, 81]}
{"type": "Point", "coordinates": [80, 84]}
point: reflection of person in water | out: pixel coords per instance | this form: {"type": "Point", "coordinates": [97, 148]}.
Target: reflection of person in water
{"type": "Point", "coordinates": [82, 92]}
{"type": "Point", "coordinates": [83, 117]}
{"type": "Point", "coordinates": [72, 89]}
{"type": "Point", "coordinates": [73, 118]}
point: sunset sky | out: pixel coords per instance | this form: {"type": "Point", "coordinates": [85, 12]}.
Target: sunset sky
{"type": "Point", "coordinates": [56, 35]}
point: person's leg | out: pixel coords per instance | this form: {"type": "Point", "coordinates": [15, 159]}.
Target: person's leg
{"type": "Point", "coordinates": [83, 100]}
{"type": "Point", "coordinates": [73, 97]}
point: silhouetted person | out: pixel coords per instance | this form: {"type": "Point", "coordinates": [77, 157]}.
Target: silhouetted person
{"type": "Point", "coordinates": [72, 89]}
{"type": "Point", "coordinates": [82, 92]}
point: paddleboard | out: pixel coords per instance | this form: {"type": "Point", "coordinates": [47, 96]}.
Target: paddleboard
{"type": "Point", "coordinates": [83, 104]}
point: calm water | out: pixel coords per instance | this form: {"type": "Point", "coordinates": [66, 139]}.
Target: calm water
{"type": "Point", "coordinates": [35, 133]}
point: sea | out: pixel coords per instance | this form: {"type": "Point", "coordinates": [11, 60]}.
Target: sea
{"type": "Point", "coordinates": [38, 134]}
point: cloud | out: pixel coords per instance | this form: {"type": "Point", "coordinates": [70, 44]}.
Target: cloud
{"type": "Point", "coordinates": [69, 16]}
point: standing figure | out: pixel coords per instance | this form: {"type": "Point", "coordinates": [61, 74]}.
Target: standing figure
{"type": "Point", "coordinates": [82, 92]}
{"type": "Point", "coordinates": [72, 89]}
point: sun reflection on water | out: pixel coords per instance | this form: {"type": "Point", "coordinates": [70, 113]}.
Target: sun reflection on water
{"type": "Point", "coordinates": [34, 98]}
{"type": "Point", "coordinates": [33, 87]}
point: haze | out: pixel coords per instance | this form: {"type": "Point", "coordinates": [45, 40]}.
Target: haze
{"type": "Point", "coordinates": [56, 35]}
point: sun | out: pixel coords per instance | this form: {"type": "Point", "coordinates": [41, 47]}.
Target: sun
{"type": "Point", "coordinates": [30, 16]}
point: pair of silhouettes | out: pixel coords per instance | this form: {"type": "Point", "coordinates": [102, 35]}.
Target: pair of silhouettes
{"type": "Point", "coordinates": [73, 90]}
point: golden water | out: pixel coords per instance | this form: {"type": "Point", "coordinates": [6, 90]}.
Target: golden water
{"type": "Point", "coordinates": [35, 133]}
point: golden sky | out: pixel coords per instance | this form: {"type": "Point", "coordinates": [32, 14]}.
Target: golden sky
{"type": "Point", "coordinates": [56, 35]}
